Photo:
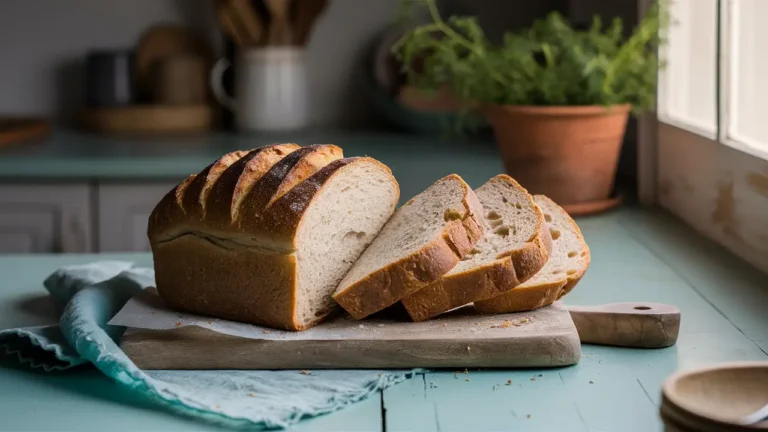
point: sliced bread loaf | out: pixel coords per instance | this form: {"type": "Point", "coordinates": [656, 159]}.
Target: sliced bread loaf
{"type": "Point", "coordinates": [516, 247]}
{"type": "Point", "coordinates": [273, 236]}
{"type": "Point", "coordinates": [424, 239]}
{"type": "Point", "coordinates": [564, 269]}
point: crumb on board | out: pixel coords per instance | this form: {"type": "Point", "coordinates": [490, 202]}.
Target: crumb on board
{"type": "Point", "coordinates": [466, 379]}
{"type": "Point", "coordinates": [265, 331]}
{"type": "Point", "coordinates": [251, 395]}
{"type": "Point", "coordinates": [381, 325]}
{"type": "Point", "coordinates": [512, 323]}
{"type": "Point", "coordinates": [509, 382]}
{"type": "Point", "coordinates": [218, 406]}
{"type": "Point", "coordinates": [445, 325]}
{"type": "Point", "coordinates": [178, 324]}
{"type": "Point", "coordinates": [210, 322]}
{"type": "Point", "coordinates": [305, 372]}
{"type": "Point", "coordinates": [361, 326]}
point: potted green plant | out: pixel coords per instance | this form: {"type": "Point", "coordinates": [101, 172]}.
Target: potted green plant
{"type": "Point", "coordinates": [557, 98]}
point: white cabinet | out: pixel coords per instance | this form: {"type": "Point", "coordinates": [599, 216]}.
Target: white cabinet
{"type": "Point", "coordinates": [123, 214]}
{"type": "Point", "coordinates": [45, 218]}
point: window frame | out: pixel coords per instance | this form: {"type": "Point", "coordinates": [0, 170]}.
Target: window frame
{"type": "Point", "coordinates": [713, 182]}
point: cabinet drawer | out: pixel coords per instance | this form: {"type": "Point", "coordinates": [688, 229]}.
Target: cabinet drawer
{"type": "Point", "coordinates": [45, 218]}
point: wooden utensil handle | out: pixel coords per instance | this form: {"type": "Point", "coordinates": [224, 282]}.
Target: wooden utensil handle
{"type": "Point", "coordinates": [640, 325]}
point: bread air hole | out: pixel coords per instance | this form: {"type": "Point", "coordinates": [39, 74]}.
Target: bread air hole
{"type": "Point", "coordinates": [557, 272]}
{"type": "Point", "coordinates": [584, 254]}
{"type": "Point", "coordinates": [502, 231]}
{"type": "Point", "coordinates": [451, 215]}
{"type": "Point", "coordinates": [355, 234]}
{"type": "Point", "coordinates": [518, 206]}
{"type": "Point", "coordinates": [570, 272]}
{"type": "Point", "coordinates": [492, 215]}
{"type": "Point", "coordinates": [555, 233]}
{"type": "Point", "coordinates": [495, 223]}
{"type": "Point", "coordinates": [547, 217]}
{"type": "Point", "coordinates": [571, 254]}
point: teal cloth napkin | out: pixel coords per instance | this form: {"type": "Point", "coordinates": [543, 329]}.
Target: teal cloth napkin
{"type": "Point", "coordinates": [92, 294]}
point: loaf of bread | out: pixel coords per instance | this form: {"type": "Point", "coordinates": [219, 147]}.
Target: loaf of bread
{"type": "Point", "coordinates": [265, 236]}
{"type": "Point", "coordinates": [564, 269]}
{"type": "Point", "coordinates": [515, 248]}
{"type": "Point", "coordinates": [423, 240]}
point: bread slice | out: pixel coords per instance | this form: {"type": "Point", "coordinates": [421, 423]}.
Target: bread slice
{"type": "Point", "coordinates": [273, 236]}
{"type": "Point", "coordinates": [423, 240]}
{"type": "Point", "coordinates": [515, 248]}
{"type": "Point", "coordinates": [565, 268]}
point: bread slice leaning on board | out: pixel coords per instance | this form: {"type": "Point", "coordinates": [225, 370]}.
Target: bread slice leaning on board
{"type": "Point", "coordinates": [422, 241]}
{"type": "Point", "coordinates": [515, 248]}
{"type": "Point", "coordinates": [264, 236]}
{"type": "Point", "coordinates": [566, 266]}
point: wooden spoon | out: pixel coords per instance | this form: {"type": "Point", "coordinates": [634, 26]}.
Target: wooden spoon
{"type": "Point", "coordinates": [278, 31]}
{"type": "Point", "coordinates": [249, 20]}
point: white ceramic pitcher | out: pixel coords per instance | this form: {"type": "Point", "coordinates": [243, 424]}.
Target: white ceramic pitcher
{"type": "Point", "coordinates": [270, 88]}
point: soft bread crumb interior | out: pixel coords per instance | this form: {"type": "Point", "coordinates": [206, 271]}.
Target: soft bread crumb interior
{"type": "Point", "coordinates": [569, 252]}
{"type": "Point", "coordinates": [512, 221]}
{"type": "Point", "coordinates": [343, 219]}
{"type": "Point", "coordinates": [414, 225]}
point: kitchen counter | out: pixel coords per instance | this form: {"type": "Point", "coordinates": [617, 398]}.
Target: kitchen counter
{"type": "Point", "coordinates": [78, 156]}
{"type": "Point", "coordinates": [637, 255]}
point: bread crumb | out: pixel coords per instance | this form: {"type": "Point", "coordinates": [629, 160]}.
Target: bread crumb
{"type": "Point", "coordinates": [509, 382]}
{"type": "Point", "coordinates": [251, 395]}
{"type": "Point", "coordinates": [381, 325]}
{"type": "Point", "coordinates": [512, 323]}
{"type": "Point", "coordinates": [265, 331]}
{"type": "Point", "coordinates": [445, 325]}
{"type": "Point", "coordinates": [361, 326]}
{"type": "Point", "coordinates": [218, 406]}
{"type": "Point", "coordinates": [305, 372]}
{"type": "Point", "coordinates": [466, 379]}
{"type": "Point", "coordinates": [178, 324]}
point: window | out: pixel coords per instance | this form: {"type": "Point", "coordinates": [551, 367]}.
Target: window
{"type": "Point", "coordinates": [746, 71]}
{"type": "Point", "coordinates": [711, 155]}
{"type": "Point", "coordinates": [688, 86]}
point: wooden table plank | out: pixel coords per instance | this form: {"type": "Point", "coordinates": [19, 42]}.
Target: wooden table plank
{"type": "Point", "coordinates": [611, 388]}
{"type": "Point", "coordinates": [740, 294]}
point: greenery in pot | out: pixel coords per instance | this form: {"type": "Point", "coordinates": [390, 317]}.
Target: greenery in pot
{"type": "Point", "coordinates": [548, 64]}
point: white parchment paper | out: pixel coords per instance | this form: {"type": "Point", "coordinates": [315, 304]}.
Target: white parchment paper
{"type": "Point", "coordinates": [147, 311]}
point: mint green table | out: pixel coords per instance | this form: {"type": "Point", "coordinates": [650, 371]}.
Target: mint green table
{"type": "Point", "coordinates": [637, 256]}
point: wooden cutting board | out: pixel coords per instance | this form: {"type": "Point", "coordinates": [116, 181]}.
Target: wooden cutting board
{"type": "Point", "coordinates": [546, 337]}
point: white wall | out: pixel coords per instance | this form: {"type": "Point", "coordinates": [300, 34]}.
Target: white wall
{"type": "Point", "coordinates": [43, 43]}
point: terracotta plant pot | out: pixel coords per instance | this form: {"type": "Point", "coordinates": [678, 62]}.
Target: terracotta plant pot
{"type": "Point", "coordinates": [569, 153]}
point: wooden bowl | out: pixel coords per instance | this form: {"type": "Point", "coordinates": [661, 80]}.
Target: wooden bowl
{"type": "Point", "coordinates": [713, 399]}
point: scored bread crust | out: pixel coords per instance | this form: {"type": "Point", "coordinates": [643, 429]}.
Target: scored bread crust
{"type": "Point", "coordinates": [386, 286]}
{"type": "Point", "coordinates": [527, 298]}
{"type": "Point", "coordinates": [510, 269]}
{"type": "Point", "coordinates": [223, 260]}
